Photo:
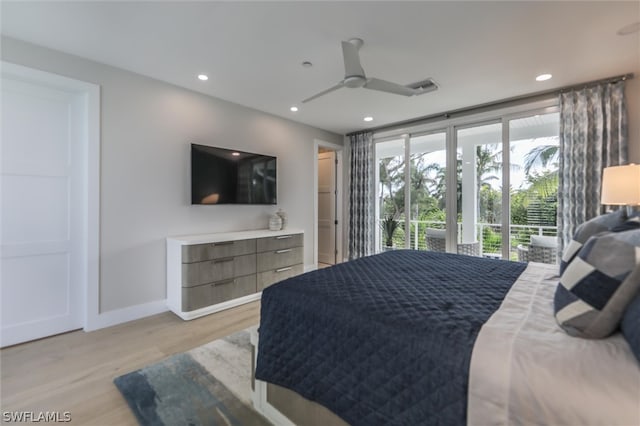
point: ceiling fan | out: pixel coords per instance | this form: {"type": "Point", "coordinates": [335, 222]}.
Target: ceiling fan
{"type": "Point", "coordinates": [354, 76]}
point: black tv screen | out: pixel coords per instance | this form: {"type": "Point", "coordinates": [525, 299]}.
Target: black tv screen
{"type": "Point", "coordinates": [225, 176]}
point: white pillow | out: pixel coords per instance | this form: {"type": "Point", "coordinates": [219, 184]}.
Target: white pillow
{"type": "Point", "coordinates": [542, 241]}
{"type": "Point", "coordinates": [436, 233]}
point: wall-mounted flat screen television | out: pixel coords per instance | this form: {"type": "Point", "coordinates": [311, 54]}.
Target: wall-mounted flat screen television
{"type": "Point", "coordinates": [225, 176]}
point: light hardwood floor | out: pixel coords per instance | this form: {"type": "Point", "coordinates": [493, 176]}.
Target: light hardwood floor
{"type": "Point", "coordinates": [74, 372]}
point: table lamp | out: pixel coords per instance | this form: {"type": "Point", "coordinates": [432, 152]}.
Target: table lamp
{"type": "Point", "coordinates": [621, 186]}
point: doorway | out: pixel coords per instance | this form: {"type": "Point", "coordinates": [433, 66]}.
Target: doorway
{"type": "Point", "coordinates": [49, 199]}
{"type": "Point", "coordinates": [328, 205]}
{"type": "Point", "coordinates": [483, 185]}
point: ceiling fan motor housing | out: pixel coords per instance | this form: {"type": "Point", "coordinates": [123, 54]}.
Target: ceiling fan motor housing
{"type": "Point", "coordinates": [355, 81]}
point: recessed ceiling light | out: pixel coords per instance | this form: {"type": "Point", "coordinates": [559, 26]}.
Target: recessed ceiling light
{"type": "Point", "coordinates": [235, 154]}
{"type": "Point", "coordinates": [543, 77]}
{"type": "Point", "coordinates": [629, 29]}
{"type": "Point", "coordinates": [203, 77]}
{"type": "Point", "coordinates": [368, 118]}
{"type": "Point", "coordinates": [294, 109]}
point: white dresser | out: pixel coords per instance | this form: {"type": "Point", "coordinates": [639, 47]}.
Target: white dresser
{"type": "Point", "coordinates": [211, 272]}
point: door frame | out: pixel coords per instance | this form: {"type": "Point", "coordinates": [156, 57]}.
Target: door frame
{"type": "Point", "coordinates": [451, 126]}
{"type": "Point", "coordinates": [317, 143]}
{"type": "Point", "coordinates": [88, 95]}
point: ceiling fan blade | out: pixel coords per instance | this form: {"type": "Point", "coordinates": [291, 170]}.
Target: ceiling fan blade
{"type": "Point", "coordinates": [324, 92]}
{"type": "Point", "coordinates": [389, 87]}
{"type": "Point", "coordinates": [351, 56]}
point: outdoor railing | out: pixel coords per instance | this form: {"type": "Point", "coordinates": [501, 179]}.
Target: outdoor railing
{"type": "Point", "coordinates": [488, 234]}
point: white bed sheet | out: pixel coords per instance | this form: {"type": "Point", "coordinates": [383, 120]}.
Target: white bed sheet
{"type": "Point", "coordinates": [526, 370]}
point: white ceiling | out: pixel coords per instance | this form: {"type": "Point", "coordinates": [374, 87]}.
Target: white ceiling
{"type": "Point", "coordinates": [252, 51]}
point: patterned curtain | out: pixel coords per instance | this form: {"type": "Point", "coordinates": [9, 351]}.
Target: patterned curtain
{"type": "Point", "coordinates": [593, 135]}
{"type": "Point", "coordinates": [361, 196]}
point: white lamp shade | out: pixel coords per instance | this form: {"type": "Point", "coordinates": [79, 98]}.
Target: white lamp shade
{"type": "Point", "coordinates": [621, 185]}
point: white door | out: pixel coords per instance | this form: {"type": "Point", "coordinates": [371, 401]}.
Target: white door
{"type": "Point", "coordinates": [327, 207]}
{"type": "Point", "coordinates": [42, 208]}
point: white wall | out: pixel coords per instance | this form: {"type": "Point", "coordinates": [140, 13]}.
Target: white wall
{"type": "Point", "coordinates": [146, 128]}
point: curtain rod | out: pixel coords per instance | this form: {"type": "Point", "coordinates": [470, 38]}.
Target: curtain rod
{"type": "Point", "coordinates": [492, 105]}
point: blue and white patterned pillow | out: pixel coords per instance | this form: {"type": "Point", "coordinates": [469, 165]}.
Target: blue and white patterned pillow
{"type": "Point", "coordinates": [598, 285]}
{"type": "Point", "coordinates": [632, 223]}
{"type": "Point", "coordinates": [588, 229]}
{"type": "Point", "coordinates": [630, 325]}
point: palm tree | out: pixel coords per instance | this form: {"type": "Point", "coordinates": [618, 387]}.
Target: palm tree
{"type": "Point", "coordinates": [488, 160]}
{"type": "Point", "coordinates": [541, 155]}
{"type": "Point", "coordinates": [544, 185]}
{"type": "Point", "coordinates": [423, 175]}
{"type": "Point", "coordinates": [439, 188]}
{"type": "Point", "coordinates": [391, 171]}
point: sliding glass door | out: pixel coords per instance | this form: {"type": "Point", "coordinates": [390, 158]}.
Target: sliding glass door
{"type": "Point", "coordinates": [411, 194]}
{"type": "Point", "coordinates": [428, 189]}
{"type": "Point", "coordinates": [390, 196]}
{"type": "Point", "coordinates": [534, 145]}
{"type": "Point", "coordinates": [479, 207]}
{"type": "Point", "coordinates": [484, 189]}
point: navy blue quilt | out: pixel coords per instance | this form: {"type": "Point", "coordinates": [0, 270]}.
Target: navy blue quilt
{"type": "Point", "coordinates": [385, 339]}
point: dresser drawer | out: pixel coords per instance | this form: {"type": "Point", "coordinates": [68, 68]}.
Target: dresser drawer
{"type": "Point", "coordinates": [210, 294]}
{"type": "Point", "coordinates": [279, 242]}
{"type": "Point", "coordinates": [279, 258]}
{"type": "Point", "coordinates": [201, 252]}
{"type": "Point", "coordinates": [209, 271]}
{"type": "Point", "coordinates": [266, 278]}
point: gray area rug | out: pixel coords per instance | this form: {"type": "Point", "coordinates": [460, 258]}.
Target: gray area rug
{"type": "Point", "coordinates": [209, 385]}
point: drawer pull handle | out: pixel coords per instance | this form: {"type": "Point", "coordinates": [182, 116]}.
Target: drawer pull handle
{"type": "Point", "coordinates": [284, 237]}
{"type": "Point", "coordinates": [224, 243]}
{"type": "Point", "coordinates": [284, 269]}
{"type": "Point", "coordinates": [223, 283]}
{"type": "Point", "coordinates": [226, 259]}
{"type": "Point", "coordinates": [283, 251]}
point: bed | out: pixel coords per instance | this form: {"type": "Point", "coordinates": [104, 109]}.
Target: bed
{"type": "Point", "coordinates": [411, 337]}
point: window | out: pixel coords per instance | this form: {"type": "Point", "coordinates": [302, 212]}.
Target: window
{"type": "Point", "coordinates": [390, 184]}
{"type": "Point", "coordinates": [428, 188]}
{"type": "Point", "coordinates": [534, 148]}
{"type": "Point", "coordinates": [505, 174]}
{"type": "Point", "coordinates": [479, 155]}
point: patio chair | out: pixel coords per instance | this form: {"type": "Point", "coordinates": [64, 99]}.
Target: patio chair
{"type": "Point", "coordinates": [436, 241]}
{"type": "Point", "coordinates": [541, 249]}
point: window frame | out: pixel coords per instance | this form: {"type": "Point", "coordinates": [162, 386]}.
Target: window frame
{"type": "Point", "coordinates": [450, 127]}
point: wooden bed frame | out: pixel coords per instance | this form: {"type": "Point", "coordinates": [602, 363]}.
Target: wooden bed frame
{"type": "Point", "coordinates": [285, 407]}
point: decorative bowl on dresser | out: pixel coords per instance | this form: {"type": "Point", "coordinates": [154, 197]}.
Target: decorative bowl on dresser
{"type": "Point", "coordinates": [211, 272]}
